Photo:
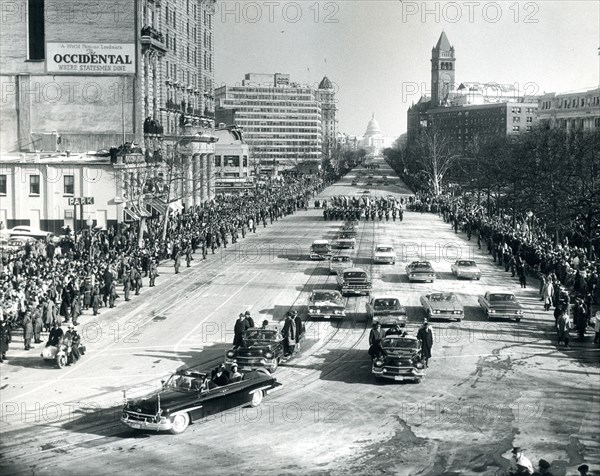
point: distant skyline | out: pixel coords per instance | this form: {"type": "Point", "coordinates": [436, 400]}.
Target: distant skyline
{"type": "Point", "coordinates": [376, 53]}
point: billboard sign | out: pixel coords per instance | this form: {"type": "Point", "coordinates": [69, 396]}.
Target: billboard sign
{"type": "Point", "coordinates": [90, 58]}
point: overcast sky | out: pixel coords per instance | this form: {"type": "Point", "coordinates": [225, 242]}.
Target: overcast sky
{"type": "Point", "coordinates": [377, 52]}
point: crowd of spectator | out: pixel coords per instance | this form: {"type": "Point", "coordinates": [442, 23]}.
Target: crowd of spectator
{"type": "Point", "coordinates": [47, 282]}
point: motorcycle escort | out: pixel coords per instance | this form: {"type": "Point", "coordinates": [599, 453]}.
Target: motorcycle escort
{"type": "Point", "coordinates": [66, 351]}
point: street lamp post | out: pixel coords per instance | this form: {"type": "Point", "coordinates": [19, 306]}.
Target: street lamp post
{"type": "Point", "coordinates": [530, 217]}
{"type": "Point", "coordinates": [89, 222]}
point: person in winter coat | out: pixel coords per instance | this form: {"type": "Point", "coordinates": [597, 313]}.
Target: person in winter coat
{"type": "Point", "coordinates": [547, 294]}
{"type": "Point", "coordinates": [425, 335]}
{"type": "Point", "coordinates": [289, 335]}
{"type": "Point", "coordinates": [5, 338]}
{"type": "Point", "coordinates": [563, 327]}
{"type": "Point", "coordinates": [38, 325]}
{"type": "Point", "coordinates": [177, 263]}
{"type": "Point", "coordinates": [27, 330]}
{"type": "Point", "coordinates": [238, 330]}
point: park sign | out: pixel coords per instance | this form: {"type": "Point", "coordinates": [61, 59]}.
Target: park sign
{"type": "Point", "coordinates": [90, 58]}
{"type": "Point", "coordinates": [81, 200]}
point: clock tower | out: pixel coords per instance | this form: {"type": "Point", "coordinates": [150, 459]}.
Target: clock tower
{"type": "Point", "coordinates": [442, 71]}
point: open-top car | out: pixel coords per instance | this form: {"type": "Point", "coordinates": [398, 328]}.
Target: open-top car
{"type": "Point", "coordinates": [501, 305]}
{"type": "Point", "coordinates": [188, 396]}
{"type": "Point", "coordinates": [29, 231]}
{"type": "Point", "coordinates": [260, 349]}
{"type": "Point", "coordinates": [466, 268]}
{"type": "Point", "coordinates": [443, 306]}
{"type": "Point", "coordinates": [340, 261]}
{"type": "Point", "coordinates": [402, 359]}
{"type": "Point", "coordinates": [344, 241]}
{"type": "Point", "coordinates": [420, 271]}
{"type": "Point", "coordinates": [387, 311]}
{"type": "Point", "coordinates": [326, 303]}
{"type": "Point", "coordinates": [384, 253]}
{"type": "Point", "coordinates": [320, 250]}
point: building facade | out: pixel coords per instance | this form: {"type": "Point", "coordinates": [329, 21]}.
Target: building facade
{"type": "Point", "coordinates": [233, 169]}
{"type": "Point", "coordinates": [139, 72]}
{"type": "Point", "coordinates": [571, 110]}
{"type": "Point", "coordinates": [462, 125]}
{"type": "Point", "coordinates": [329, 122]}
{"type": "Point", "coordinates": [282, 120]}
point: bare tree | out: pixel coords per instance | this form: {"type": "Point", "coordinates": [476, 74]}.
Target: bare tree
{"type": "Point", "coordinates": [435, 157]}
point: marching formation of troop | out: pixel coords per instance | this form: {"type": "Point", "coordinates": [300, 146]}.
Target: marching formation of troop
{"type": "Point", "coordinates": [355, 208]}
{"type": "Point", "coordinates": [48, 284]}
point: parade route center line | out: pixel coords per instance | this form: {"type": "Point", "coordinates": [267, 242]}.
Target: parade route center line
{"type": "Point", "coordinates": [191, 332]}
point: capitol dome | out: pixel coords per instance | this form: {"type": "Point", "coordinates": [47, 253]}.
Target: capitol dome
{"type": "Point", "coordinates": [373, 128]}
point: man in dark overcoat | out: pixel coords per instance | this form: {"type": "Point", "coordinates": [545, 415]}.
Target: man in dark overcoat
{"type": "Point", "coordinates": [425, 335]}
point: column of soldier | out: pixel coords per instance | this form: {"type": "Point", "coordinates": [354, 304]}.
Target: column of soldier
{"type": "Point", "coordinates": [568, 273]}
{"type": "Point", "coordinates": [44, 284]}
{"type": "Point", "coordinates": [355, 208]}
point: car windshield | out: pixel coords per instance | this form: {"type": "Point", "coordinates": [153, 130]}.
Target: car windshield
{"type": "Point", "coordinates": [319, 247]}
{"type": "Point", "coordinates": [340, 259]}
{"type": "Point", "coordinates": [260, 334]}
{"type": "Point", "coordinates": [355, 274]}
{"type": "Point", "coordinates": [421, 265]}
{"type": "Point", "coordinates": [325, 296]}
{"type": "Point", "coordinates": [440, 297]}
{"type": "Point", "coordinates": [396, 343]}
{"type": "Point", "coordinates": [384, 249]}
{"type": "Point", "coordinates": [391, 304]}
{"type": "Point", "coordinates": [184, 383]}
{"type": "Point", "coordinates": [466, 263]}
{"type": "Point", "coordinates": [502, 297]}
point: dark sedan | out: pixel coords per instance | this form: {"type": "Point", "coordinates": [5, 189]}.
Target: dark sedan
{"type": "Point", "coordinates": [189, 396]}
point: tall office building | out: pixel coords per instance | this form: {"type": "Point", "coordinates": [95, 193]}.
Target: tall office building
{"type": "Point", "coordinates": [283, 121]}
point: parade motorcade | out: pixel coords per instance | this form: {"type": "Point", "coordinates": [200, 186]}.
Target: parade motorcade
{"type": "Point", "coordinates": [465, 268]}
{"type": "Point", "coordinates": [420, 271]}
{"type": "Point", "coordinates": [354, 281]}
{"type": "Point", "coordinates": [320, 250]}
{"type": "Point", "coordinates": [262, 348]}
{"type": "Point", "coordinates": [326, 303]}
{"type": "Point", "coordinates": [443, 306]}
{"type": "Point", "coordinates": [344, 241]}
{"type": "Point", "coordinates": [387, 311]}
{"type": "Point", "coordinates": [501, 305]}
{"type": "Point", "coordinates": [188, 396]}
{"type": "Point", "coordinates": [384, 253]}
{"type": "Point", "coordinates": [402, 360]}
{"type": "Point", "coordinates": [339, 262]}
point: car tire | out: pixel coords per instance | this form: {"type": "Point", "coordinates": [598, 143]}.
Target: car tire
{"type": "Point", "coordinates": [478, 278]}
{"type": "Point", "coordinates": [274, 366]}
{"type": "Point", "coordinates": [180, 423]}
{"type": "Point", "coordinates": [257, 398]}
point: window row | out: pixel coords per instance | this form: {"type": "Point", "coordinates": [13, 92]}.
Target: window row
{"type": "Point", "coordinates": [34, 184]}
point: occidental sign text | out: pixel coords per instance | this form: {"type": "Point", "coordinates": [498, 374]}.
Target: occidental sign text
{"type": "Point", "coordinates": [85, 58]}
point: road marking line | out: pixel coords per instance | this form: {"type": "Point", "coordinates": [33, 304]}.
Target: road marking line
{"type": "Point", "coordinates": [176, 347]}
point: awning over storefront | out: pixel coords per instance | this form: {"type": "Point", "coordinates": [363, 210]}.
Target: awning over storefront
{"type": "Point", "coordinates": [135, 212]}
{"type": "Point", "coordinates": [161, 206]}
